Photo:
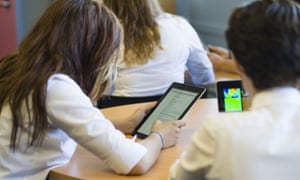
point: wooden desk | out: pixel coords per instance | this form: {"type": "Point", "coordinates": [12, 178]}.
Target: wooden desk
{"type": "Point", "coordinates": [85, 165]}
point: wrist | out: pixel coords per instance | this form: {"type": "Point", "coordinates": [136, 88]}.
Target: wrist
{"type": "Point", "coordinates": [160, 137]}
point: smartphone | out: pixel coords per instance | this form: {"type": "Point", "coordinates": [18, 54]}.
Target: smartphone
{"type": "Point", "coordinates": [230, 96]}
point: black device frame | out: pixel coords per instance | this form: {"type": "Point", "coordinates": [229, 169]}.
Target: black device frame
{"type": "Point", "coordinates": [220, 85]}
{"type": "Point", "coordinates": [200, 90]}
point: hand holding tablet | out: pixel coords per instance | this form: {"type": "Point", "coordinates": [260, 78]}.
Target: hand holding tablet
{"type": "Point", "coordinates": [172, 105]}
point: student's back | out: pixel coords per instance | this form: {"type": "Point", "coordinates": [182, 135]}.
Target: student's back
{"type": "Point", "coordinates": [256, 145]}
{"type": "Point", "coordinates": [181, 48]}
{"type": "Point", "coordinates": [159, 47]}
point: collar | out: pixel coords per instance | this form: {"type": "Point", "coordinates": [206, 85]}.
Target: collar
{"type": "Point", "coordinates": [277, 96]}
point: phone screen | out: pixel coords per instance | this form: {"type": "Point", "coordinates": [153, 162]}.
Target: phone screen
{"type": "Point", "coordinates": [232, 99]}
{"type": "Point", "coordinates": [230, 96]}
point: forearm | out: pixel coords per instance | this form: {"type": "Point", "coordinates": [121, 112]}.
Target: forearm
{"type": "Point", "coordinates": [154, 145]}
{"type": "Point", "coordinates": [227, 66]}
{"type": "Point", "coordinates": [131, 116]}
{"type": "Point", "coordinates": [201, 72]}
{"type": "Point", "coordinates": [124, 122]}
{"type": "Point", "coordinates": [123, 125]}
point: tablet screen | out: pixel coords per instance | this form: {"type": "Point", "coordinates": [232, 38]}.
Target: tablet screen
{"type": "Point", "coordinates": [172, 106]}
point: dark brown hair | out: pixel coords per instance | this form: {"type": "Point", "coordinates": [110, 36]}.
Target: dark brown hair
{"type": "Point", "coordinates": [265, 39]}
{"type": "Point", "coordinates": [74, 37]}
{"type": "Point", "coordinates": [141, 32]}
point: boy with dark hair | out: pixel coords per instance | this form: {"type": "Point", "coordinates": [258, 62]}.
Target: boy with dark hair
{"type": "Point", "coordinates": [262, 143]}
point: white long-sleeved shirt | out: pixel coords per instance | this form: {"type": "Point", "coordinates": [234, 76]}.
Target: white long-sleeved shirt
{"type": "Point", "coordinates": [260, 144]}
{"type": "Point", "coordinates": [182, 48]}
{"type": "Point", "coordinates": [73, 119]}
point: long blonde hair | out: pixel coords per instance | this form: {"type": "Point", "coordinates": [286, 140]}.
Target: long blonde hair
{"type": "Point", "coordinates": [141, 32]}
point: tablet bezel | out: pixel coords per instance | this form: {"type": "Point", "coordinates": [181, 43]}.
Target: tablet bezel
{"type": "Point", "coordinates": [220, 85]}
{"type": "Point", "coordinates": [189, 88]}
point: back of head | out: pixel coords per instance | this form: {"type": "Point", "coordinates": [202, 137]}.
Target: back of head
{"type": "Point", "coordinates": [264, 36]}
{"type": "Point", "coordinates": [141, 33]}
{"type": "Point", "coordinates": [75, 37]}
{"type": "Point", "coordinates": [297, 1]}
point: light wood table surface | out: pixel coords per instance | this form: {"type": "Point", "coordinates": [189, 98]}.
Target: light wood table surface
{"type": "Point", "coordinates": [85, 165]}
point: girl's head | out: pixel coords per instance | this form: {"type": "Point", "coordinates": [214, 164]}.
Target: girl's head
{"type": "Point", "coordinates": [142, 37]}
{"type": "Point", "coordinates": [79, 38]}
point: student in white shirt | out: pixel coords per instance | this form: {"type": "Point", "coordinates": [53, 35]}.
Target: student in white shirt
{"type": "Point", "coordinates": [47, 90]}
{"type": "Point", "coordinates": [262, 143]}
{"type": "Point", "coordinates": [159, 48]}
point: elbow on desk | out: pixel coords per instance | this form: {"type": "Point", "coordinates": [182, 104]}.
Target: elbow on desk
{"type": "Point", "coordinates": [139, 170]}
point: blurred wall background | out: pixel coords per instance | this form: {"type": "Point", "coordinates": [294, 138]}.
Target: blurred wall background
{"type": "Point", "coordinates": [16, 20]}
{"type": "Point", "coordinates": [27, 12]}
{"type": "Point", "coordinates": [208, 17]}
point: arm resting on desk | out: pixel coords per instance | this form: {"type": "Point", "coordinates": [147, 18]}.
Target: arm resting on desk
{"type": "Point", "coordinates": [154, 143]}
{"type": "Point", "coordinates": [128, 121]}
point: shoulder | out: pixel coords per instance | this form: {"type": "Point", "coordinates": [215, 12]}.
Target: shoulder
{"type": "Point", "coordinates": [61, 86]}
{"type": "Point", "coordinates": [166, 18]}
{"type": "Point", "coordinates": [256, 118]}
{"type": "Point", "coordinates": [226, 123]}
{"type": "Point", "coordinates": [61, 81]}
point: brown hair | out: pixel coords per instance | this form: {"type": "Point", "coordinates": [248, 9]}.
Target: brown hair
{"type": "Point", "coordinates": [142, 37]}
{"type": "Point", "coordinates": [264, 37]}
{"type": "Point", "coordinates": [74, 37]}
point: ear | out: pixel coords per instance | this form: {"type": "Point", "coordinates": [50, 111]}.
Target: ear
{"type": "Point", "coordinates": [247, 82]}
{"type": "Point", "coordinates": [238, 66]}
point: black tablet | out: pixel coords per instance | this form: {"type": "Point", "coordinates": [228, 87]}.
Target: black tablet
{"type": "Point", "coordinates": [230, 94]}
{"type": "Point", "coordinates": [171, 106]}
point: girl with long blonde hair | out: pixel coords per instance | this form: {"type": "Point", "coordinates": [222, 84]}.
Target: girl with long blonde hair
{"type": "Point", "coordinates": [159, 47]}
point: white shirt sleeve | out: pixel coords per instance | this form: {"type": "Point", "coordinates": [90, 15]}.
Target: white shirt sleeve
{"type": "Point", "coordinates": [198, 63]}
{"type": "Point", "coordinates": [72, 111]}
{"type": "Point", "coordinates": [198, 159]}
